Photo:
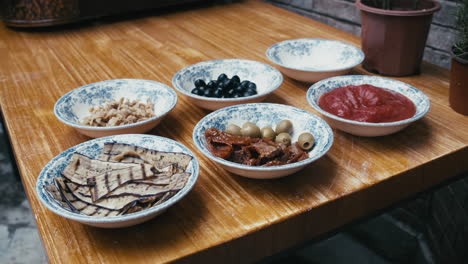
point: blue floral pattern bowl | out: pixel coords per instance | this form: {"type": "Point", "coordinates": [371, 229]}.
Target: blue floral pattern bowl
{"type": "Point", "coordinates": [264, 114]}
{"type": "Point", "coordinates": [267, 79]}
{"type": "Point", "coordinates": [74, 106]}
{"type": "Point", "coordinates": [92, 149]}
{"type": "Point", "coordinates": [311, 60]}
{"type": "Point", "coordinates": [420, 100]}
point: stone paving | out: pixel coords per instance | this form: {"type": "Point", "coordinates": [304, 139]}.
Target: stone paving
{"type": "Point", "coordinates": [19, 238]}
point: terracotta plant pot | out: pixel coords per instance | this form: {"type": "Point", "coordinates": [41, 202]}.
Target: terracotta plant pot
{"type": "Point", "coordinates": [394, 40]}
{"type": "Point", "coordinates": [458, 97]}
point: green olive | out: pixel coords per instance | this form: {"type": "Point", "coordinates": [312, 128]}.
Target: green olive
{"type": "Point", "coordinates": [283, 138]}
{"type": "Point", "coordinates": [233, 130]}
{"type": "Point", "coordinates": [306, 141]}
{"type": "Point", "coordinates": [268, 132]}
{"type": "Point", "coordinates": [246, 124]}
{"type": "Point", "coordinates": [284, 126]}
{"type": "Point", "coordinates": [250, 130]}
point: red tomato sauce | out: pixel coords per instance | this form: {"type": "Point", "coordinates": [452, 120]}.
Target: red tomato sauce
{"type": "Point", "coordinates": [367, 103]}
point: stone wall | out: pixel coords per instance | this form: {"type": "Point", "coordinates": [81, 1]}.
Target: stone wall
{"type": "Point", "coordinates": [343, 15]}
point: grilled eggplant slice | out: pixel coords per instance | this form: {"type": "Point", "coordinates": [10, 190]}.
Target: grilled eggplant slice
{"type": "Point", "coordinates": [109, 181]}
{"type": "Point", "coordinates": [81, 168]}
{"type": "Point", "coordinates": [77, 205]}
{"type": "Point", "coordinates": [141, 189]}
{"type": "Point", "coordinates": [124, 179]}
{"type": "Point", "coordinates": [113, 203]}
{"type": "Point", "coordinates": [160, 179]}
{"type": "Point", "coordinates": [54, 192]}
{"type": "Point", "coordinates": [121, 152]}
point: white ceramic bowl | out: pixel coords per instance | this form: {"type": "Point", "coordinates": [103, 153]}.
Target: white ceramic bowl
{"type": "Point", "coordinates": [74, 106]}
{"type": "Point", "coordinates": [266, 77]}
{"type": "Point", "coordinates": [92, 149]}
{"type": "Point", "coordinates": [263, 114]}
{"type": "Point", "coordinates": [366, 129]}
{"type": "Point", "coordinates": [311, 60]}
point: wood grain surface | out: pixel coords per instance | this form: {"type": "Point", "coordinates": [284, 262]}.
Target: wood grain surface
{"type": "Point", "coordinates": [225, 218]}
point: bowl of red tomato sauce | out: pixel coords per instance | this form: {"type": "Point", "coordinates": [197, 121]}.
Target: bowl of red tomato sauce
{"type": "Point", "coordinates": [368, 106]}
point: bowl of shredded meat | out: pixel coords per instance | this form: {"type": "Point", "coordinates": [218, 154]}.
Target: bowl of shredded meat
{"type": "Point", "coordinates": [112, 107]}
{"type": "Point", "coordinates": [254, 156]}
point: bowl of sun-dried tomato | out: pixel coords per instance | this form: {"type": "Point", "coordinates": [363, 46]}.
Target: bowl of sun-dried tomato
{"type": "Point", "coordinates": [262, 155]}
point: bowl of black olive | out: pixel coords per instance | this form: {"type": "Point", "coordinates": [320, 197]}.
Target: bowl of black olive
{"type": "Point", "coordinates": [220, 83]}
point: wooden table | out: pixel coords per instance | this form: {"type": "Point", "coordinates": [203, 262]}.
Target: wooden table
{"type": "Point", "coordinates": [225, 218]}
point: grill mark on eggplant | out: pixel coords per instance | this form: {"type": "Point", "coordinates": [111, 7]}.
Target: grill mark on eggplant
{"type": "Point", "coordinates": [94, 212]}
{"type": "Point", "coordinates": [106, 180]}
{"type": "Point", "coordinates": [104, 187]}
{"type": "Point", "coordinates": [58, 183]}
{"type": "Point", "coordinates": [82, 167]}
{"type": "Point", "coordinates": [164, 198]}
{"type": "Point", "coordinates": [103, 184]}
{"type": "Point", "coordinates": [82, 192]}
{"type": "Point", "coordinates": [112, 203]}
{"type": "Point", "coordinates": [142, 169]}
{"type": "Point", "coordinates": [160, 179]}
{"type": "Point", "coordinates": [76, 204]}
{"type": "Point", "coordinates": [153, 193]}
{"type": "Point", "coordinates": [140, 204]}
{"type": "Point", "coordinates": [53, 191]}
{"type": "Point", "coordinates": [159, 159]}
{"type": "Point", "coordinates": [119, 181]}
{"type": "Point", "coordinates": [177, 182]}
{"type": "Point", "coordinates": [86, 194]}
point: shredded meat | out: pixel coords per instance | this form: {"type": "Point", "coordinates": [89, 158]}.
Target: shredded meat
{"type": "Point", "coordinates": [121, 112]}
{"type": "Point", "coordinates": [251, 151]}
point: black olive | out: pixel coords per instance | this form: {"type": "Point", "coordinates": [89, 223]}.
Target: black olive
{"type": "Point", "coordinates": [208, 93]}
{"type": "Point", "coordinates": [237, 95]}
{"type": "Point", "coordinates": [239, 89]}
{"type": "Point", "coordinates": [202, 89]}
{"type": "Point", "coordinates": [218, 93]}
{"type": "Point", "coordinates": [250, 93]}
{"type": "Point", "coordinates": [224, 89]}
{"type": "Point", "coordinates": [227, 88]}
{"type": "Point", "coordinates": [200, 83]}
{"type": "Point", "coordinates": [211, 84]}
{"type": "Point", "coordinates": [235, 79]}
{"type": "Point", "coordinates": [230, 94]}
{"type": "Point", "coordinates": [213, 88]}
{"type": "Point", "coordinates": [227, 83]}
{"type": "Point", "coordinates": [251, 90]}
{"type": "Point", "coordinates": [234, 83]}
{"type": "Point", "coordinates": [222, 77]}
{"type": "Point", "coordinates": [245, 84]}
{"type": "Point", "coordinates": [252, 86]}
{"type": "Point", "coordinates": [195, 90]}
